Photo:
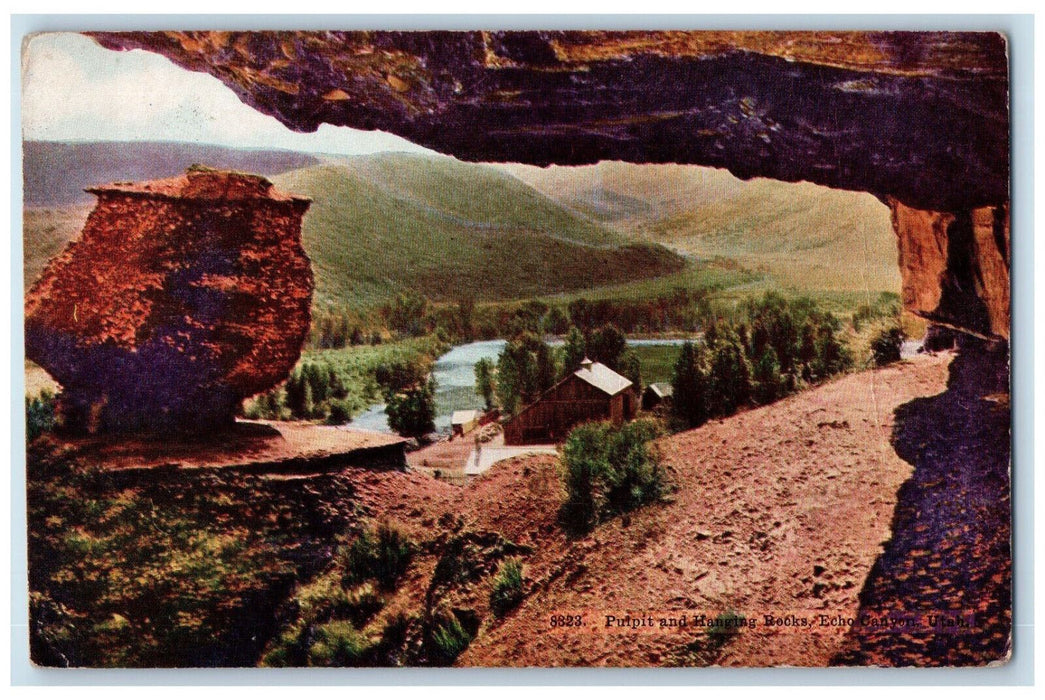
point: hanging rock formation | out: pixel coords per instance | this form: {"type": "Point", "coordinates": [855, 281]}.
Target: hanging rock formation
{"type": "Point", "coordinates": [180, 298]}
{"type": "Point", "coordinates": [918, 118]}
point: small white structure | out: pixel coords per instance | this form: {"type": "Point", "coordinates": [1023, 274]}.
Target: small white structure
{"type": "Point", "coordinates": [463, 422]}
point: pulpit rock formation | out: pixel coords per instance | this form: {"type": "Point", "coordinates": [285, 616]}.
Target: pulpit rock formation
{"type": "Point", "coordinates": [180, 298]}
{"type": "Point", "coordinates": [920, 119]}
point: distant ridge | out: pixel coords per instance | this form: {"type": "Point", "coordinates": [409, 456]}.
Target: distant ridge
{"type": "Point", "coordinates": [55, 172]}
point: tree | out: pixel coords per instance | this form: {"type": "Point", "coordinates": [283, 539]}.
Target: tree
{"type": "Point", "coordinates": [484, 380]}
{"type": "Point", "coordinates": [689, 387]}
{"type": "Point", "coordinates": [885, 347]}
{"type": "Point", "coordinates": [555, 321]}
{"type": "Point", "coordinates": [606, 345]}
{"type": "Point", "coordinates": [525, 369]}
{"type": "Point", "coordinates": [768, 382]}
{"type": "Point", "coordinates": [411, 412]}
{"type": "Point", "coordinates": [465, 316]}
{"type": "Point", "coordinates": [631, 367]}
{"type": "Point", "coordinates": [609, 470]}
{"type": "Point", "coordinates": [407, 313]}
{"type": "Point", "coordinates": [574, 351]}
{"type": "Point", "coordinates": [729, 381]}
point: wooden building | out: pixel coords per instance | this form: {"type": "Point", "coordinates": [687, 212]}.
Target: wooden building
{"type": "Point", "coordinates": [594, 392]}
{"type": "Point", "coordinates": [656, 395]}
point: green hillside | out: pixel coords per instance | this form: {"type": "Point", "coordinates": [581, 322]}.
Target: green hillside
{"type": "Point", "coordinates": [381, 224]}
{"type": "Point", "coordinates": [798, 235]}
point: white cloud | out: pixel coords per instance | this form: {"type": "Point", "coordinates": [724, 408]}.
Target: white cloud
{"type": "Point", "coordinates": [74, 90]}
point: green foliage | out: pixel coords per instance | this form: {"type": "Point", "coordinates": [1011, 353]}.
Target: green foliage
{"type": "Point", "coordinates": [340, 412]}
{"type": "Point", "coordinates": [164, 574]}
{"type": "Point", "coordinates": [39, 414]}
{"type": "Point", "coordinates": [334, 329]}
{"type": "Point", "coordinates": [630, 366]}
{"type": "Point", "coordinates": [775, 345]}
{"type": "Point", "coordinates": [689, 400]}
{"type": "Point", "coordinates": [466, 318]}
{"type": "Point", "coordinates": [606, 345]}
{"type": "Point", "coordinates": [767, 377]}
{"type": "Point", "coordinates": [484, 381]}
{"type": "Point", "coordinates": [411, 412]}
{"type": "Point", "coordinates": [556, 322]}
{"type": "Point", "coordinates": [407, 314]}
{"type": "Point", "coordinates": [575, 350]}
{"type": "Point", "coordinates": [729, 375]}
{"type": "Point", "coordinates": [337, 643]}
{"type": "Point", "coordinates": [382, 555]}
{"type": "Point", "coordinates": [448, 640]}
{"type": "Point", "coordinates": [525, 368]}
{"type": "Point", "coordinates": [399, 374]}
{"type": "Point", "coordinates": [887, 305]}
{"type": "Point", "coordinates": [725, 627]}
{"type": "Point", "coordinates": [335, 384]}
{"type": "Point", "coordinates": [609, 470]}
{"type": "Point", "coordinates": [507, 587]}
{"type": "Point", "coordinates": [886, 345]}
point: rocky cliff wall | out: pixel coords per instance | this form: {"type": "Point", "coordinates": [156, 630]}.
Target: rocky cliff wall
{"type": "Point", "coordinates": [180, 298]}
{"type": "Point", "coordinates": [919, 119]}
{"type": "Point", "coordinates": [955, 267]}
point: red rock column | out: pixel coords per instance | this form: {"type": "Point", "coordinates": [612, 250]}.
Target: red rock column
{"type": "Point", "coordinates": [180, 298]}
{"type": "Point", "coordinates": [955, 267]}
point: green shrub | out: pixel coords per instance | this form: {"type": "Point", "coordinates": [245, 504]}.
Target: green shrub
{"type": "Point", "coordinates": [338, 643]}
{"type": "Point", "coordinates": [383, 555]}
{"type": "Point", "coordinates": [411, 413]}
{"type": "Point", "coordinates": [448, 640]}
{"type": "Point", "coordinates": [886, 345]}
{"type": "Point", "coordinates": [39, 414]}
{"type": "Point", "coordinates": [507, 588]}
{"type": "Point", "coordinates": [609, 470]}
{"type": "Point", "coordinates": [340, 412]}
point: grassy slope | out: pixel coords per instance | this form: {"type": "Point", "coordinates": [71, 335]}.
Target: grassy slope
{"type": "Point", "coordinates": [380, 224]}
{"type": "Point", "coordinates": [830, 243]}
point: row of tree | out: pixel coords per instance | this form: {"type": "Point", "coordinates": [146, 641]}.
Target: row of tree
{"type": "Point", "coordinates": [774, 347]}
{"type": "Point", "coordinates": [410, 314]}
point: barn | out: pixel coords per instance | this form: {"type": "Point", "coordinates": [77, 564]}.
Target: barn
{"type": "Point", "coordinates": [593, 392]}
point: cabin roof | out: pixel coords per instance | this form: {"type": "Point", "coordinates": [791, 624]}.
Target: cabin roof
{"type": "Point", "coordinates": [462, 417]}
{"type": "Point", "coordinates": [661, 389]}
{"type": "Point", "coordinates": [603, 378]}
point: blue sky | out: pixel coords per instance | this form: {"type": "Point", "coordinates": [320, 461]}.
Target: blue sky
{"type": "Point", "coordinates": [74, 90]}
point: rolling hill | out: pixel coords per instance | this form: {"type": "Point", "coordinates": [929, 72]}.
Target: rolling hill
{"type": "Point", "coordinates": [803, 236]}
{"type": "Point", "coordinates": [449, 230]}
{"type": "Point", "coordinates": [381, 224]}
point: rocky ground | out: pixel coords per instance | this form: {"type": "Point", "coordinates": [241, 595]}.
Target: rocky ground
{"type": "Point", "coordinates": [785, 511]}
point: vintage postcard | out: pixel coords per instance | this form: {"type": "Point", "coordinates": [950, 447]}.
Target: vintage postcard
{"type": "Point", "coordinates": [517, 348]}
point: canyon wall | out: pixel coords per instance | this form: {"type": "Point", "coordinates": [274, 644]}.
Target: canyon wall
{"type": "Point", "coordinates": [180, 298]}
{"type": "Point", "coordinates": [919, 119]}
